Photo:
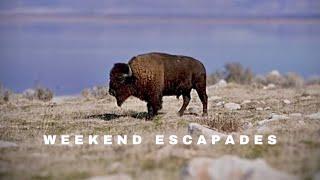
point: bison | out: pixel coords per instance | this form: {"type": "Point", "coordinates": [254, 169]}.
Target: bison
{"type": "Point", "coordinates": [151, 76]}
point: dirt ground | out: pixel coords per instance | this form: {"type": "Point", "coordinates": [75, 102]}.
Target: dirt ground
{"type": "Point", "coordinates": [24, 123]}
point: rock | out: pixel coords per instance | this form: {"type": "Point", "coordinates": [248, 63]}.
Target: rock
{"type": "Point", "coordinates": [267, 108]}
{"type": "Point", "coordinates": [7, 144]}
{"type": "Point", "coordinates": [295, 115]}
{"type": "Point", "coordinates": [220, 103]}
{"type": "Point", "coordinates": [245, 102]}
{"type": "Point", "coordinates": [275, 73]}
{"type": "Point", "coordinates": [302, 123]}
{"type": "Point", "coordinates": [232, 106]}
{"type": "Point", "coordinates": [314, 116]}
{"type": "Point", "coordinates": [192, 110]}
{"type": "Point", "coordinates": [259, 109]}
{"type": "Point", "coordinates": [286, 101]}
{"type": "Point", "coordinates": [112, 177]}
{"type": "Point", "coordinates": [197, 129]}
{"type": "Point", "coordinates": [304, 98]}
{"type": "Point", "coordinates": [262, 125]}
{"type": "Point", "coordinates": [273, 117]}
{"type": "Point", "coordinates": [214, 98]}
{"type": "Point", "coordinates": [222, 83]}
{"type": "Point", "coordinates": [231, 167]}
{"type": "Point", "coordinates": [247, 125]}
{"type": "Point", "coordinates": [269, 86]}
{"type": "Point", "coordinates": [262, 102]}
{"type": "Point", "coordinates": [278, 117]}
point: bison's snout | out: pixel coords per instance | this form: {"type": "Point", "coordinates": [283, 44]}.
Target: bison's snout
{"type": "Point", "coordinates": [112, 92]}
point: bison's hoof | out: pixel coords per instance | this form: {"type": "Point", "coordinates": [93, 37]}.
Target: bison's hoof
{"type": "Point", "coordinates": [149, 117]}
{"type": "Point", "coordinates": [205, 114]}
{"type": "Point", "coordinates": [180, 113]}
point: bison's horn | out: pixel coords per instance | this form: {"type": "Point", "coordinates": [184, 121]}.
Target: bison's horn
{"type": "Point", "coordinates": [129, 73]}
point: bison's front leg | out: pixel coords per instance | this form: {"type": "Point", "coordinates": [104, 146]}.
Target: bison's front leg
{"type": "Point", "coordinates": [150, 111]}
{"type": "Point", "coordinates": [153, 107]}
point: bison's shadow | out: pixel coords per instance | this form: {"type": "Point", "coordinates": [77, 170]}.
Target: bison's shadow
{"type": "Point", "coordinates": [106, 116]}
{"type": "Point", "coordinates": [111, 116]}
{"type": "Point", "coordinates": [138, 115]}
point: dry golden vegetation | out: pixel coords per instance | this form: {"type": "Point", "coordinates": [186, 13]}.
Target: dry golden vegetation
{"type": "Point", "coordinates": [23, 123]}
{"type": "Point", "coordinates": [236, 73]}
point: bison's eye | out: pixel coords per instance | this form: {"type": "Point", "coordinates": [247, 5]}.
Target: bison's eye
{"type": "Point", "coordinates": [121, 79]}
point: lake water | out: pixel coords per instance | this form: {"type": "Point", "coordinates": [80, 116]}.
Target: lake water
{"type": "Point", "coordinates": [69, 56]}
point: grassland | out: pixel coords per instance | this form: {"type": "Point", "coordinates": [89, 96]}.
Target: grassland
{"type": "Point", "coordinates": [24, 123]}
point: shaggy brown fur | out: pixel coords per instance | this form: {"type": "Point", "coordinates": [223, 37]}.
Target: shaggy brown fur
{"type": "Point", "coordinates": [155, 75]}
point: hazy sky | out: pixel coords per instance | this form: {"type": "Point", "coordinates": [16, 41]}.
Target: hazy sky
{"type": "Point", "coordinates": [70, 45]}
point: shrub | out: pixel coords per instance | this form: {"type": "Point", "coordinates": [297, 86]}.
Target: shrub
{"type": "Point", "coordinates": [248, 76]}
{"type": "Point", "coordinates": [226, 122]}
{"type": "Point", "coordinates": [29, 94]}
{"type": "Point", "coordinates": [274, 77]}
{"type": "Point", "coordinates": [236, 73]}
{"type": "Point", "coordinates": [4, 94]}
{"type": "Point", "coordinates": [98, 92]}
{"type": "Point", "coordinates": [44, 94]}
{"type": "Point", "coordinates": [215, 77]}
{"type": "Point", "coordinates": [289, 80]}
{"type": "Point", "coordinates": [39, 93]}
{"type": "Point", "coordinates": [86, 93]}
{"type": "Point", "coordinates": [293, 80]}
{"type": "Point", "coordinates": [260, 80]}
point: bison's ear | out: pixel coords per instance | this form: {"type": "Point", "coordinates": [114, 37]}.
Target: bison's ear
{"type": "Point", "coordinates": [123, 72]}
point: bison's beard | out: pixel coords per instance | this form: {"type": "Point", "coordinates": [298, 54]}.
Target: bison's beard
{"type": "Point", "coordinates": [121, 99]}
{"type": "Point", "coordinates": [119, 102]}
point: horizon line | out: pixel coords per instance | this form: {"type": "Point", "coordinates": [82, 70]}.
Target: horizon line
{"type": "Point", "coordinates": [154, 18]}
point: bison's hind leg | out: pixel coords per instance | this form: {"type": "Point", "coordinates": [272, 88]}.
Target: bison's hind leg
{"type": "Point", "coordinates": [201, 90]}
{"type": "Point", "coordinates": [186, 100]}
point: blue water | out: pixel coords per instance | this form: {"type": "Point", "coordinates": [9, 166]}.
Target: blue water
{"type": "Point", "coordinates": [68, 57]}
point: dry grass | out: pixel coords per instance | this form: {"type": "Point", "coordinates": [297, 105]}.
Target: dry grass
{"type": "Point", "coordinates": [39, 93]}
{"type": "Point", "coordinates": [4, 94]}
{"type": "Point", "coordinates": [97, 92]}
{"type": "Point", "coordinates": [24, 122]}
{"type": "Point", "coordinates": [233, 72]}
{"type": "Point", "coordinates": [236, 73]}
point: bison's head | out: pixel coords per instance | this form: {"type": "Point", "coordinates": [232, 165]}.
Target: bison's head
{"type": "Point", "coordinates": [120, 85]}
